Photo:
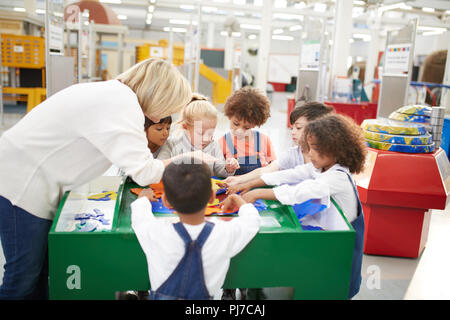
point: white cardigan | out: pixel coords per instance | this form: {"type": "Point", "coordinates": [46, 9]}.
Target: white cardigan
{"type": "Point", "coordinates": [305, 182]}
{"type": "Point", "coordinates": [71, 138]}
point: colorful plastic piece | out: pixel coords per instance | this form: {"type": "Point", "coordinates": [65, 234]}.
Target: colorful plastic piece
{"type": "Point", "coordinates": [409, 117]}
{"type": "Point", "coordinates": [383, 125]}
{"type": "Point", "coordinates": [309, 207]}
{"type": "Point", "coordinates": [398, 139]}
{"type": "Point", "coordinates": [416, 109]}
{"type": "Point", "coordinates": [400, 147]}
{"type": "Point", "coordinates": [104, 196]}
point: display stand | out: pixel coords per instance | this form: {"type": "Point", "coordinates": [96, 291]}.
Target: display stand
{"type": "Point", "coordinates": [397, 66]}
{"type": "Point", "coordinates": [397, 191]}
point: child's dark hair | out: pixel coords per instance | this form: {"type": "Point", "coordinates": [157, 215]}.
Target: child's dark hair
{"type": "Point", "coordinates": [311, 111]}
{"type": "Point", "coordinates": [148, 123]}
{"type": "Point", "coordinates": [340, 137]}
{"type": "Point", "coordinates": [187, 185]}
{"type": "Point", "coordinates": [248, 104]}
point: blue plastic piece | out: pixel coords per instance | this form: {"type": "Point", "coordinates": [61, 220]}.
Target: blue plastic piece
{"type": "Point", "coordinates": [158, 207]}
{"type": "Point", "coordinates": [85, 226]}
{"type": "Point", "coordinates": [311, 228]}
{"type": "Point", "coordinates": [309, 207]}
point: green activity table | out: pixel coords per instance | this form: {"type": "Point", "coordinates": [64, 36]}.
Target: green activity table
{"type": "Point", "coordinates": [96, 265]}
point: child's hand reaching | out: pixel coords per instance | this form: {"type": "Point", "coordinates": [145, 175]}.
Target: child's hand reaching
{"type": "Point", "coordinates": [149, 194]}
{"type": "Point", "coordinates": [243, 188]}
{"type": "Point", "coordinates": [231, 165]}
{"type": "Point", "coordinates": [252, 196]}
{"type": "Point", "coordinates": [232, 181]}
{"type": "Point", "coordinates": [232, 203]}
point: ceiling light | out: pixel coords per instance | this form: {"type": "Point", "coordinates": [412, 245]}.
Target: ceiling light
{"type": "Point", "coordinates": [209, 9]}
{"type": "Point", "coordinates": [179, 21]}
{"type": "Point", "coordinates": [152, 1]}
{"type": "Point", "coordinates": [187, 7]}
{"type": "Point", "coordinates": [111, 1]}
{"type": "Point", "coordinates": [295, 27]}
{"type": "Point", "coordinates": [432, 33]}
{"type": "Point", "coordinates": [359, 2]}
{"type": "Point", "coordinates": [427, 9]}
{"type": "Point", "coordinates": [122, 17]}
{"type": "Point", "coordinates": [278, 31]}
{"type": "Point", "coordinates": [239, 2]}
{"type": "Point", "coordinates": [148, 21]}
{"type": "Point", "coordinates": [252, 36]}
{"type": "Point", "coordinates": [19, 9]}
{"type": "Point", "coordinates": [286, 38]}
{"type": "Point", "coordinates": [149, 16]}
{"type": "Point", "coordinates": [178, 29]}
{"type": "Point", "coordinates": [250, 26]}
{"type": "Point", "coordinates": [167, 29]}
{"type": "Point", "coordinates": [435, 29]}
{"type": "Point", "coordinates": [285, 16]}
{"type": "Point", "coordinates": [151, 8]}
{"type": "Point", "coordinates": [320, 7]}
{"type": "Point", "coordinates": [40, 11]}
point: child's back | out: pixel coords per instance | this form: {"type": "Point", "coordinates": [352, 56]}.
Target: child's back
{"type": "Point", "coordinates": [188, 188]}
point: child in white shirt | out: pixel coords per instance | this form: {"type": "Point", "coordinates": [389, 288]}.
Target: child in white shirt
{"type": "Point", "coordinates": [198, 123]}
{"type": "Point", "coordinates": [336, 148]}
{"type": "Point", "coordinates": [188, 189]}
{"type": "Point", "coordinates": [294, 156]}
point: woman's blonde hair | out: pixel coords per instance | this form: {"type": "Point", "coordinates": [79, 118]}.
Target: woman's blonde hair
{"type": "Point", "coordinates": [197, 109]}
{"type": "Point", "coordinates": [160, 88]}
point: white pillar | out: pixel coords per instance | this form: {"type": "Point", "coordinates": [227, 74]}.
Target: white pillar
{"type": "Point", "coordinates": [229, 53]}
{"type": "Point", "coordinates": [265, 37]}
{"type": "Point", "coordinates": [374, 47]}
{"type": "Point", "coordinates": [445, 98]}
{"type": "Point", "coordinates": [211, 35]}
{"type": "Point", "coordinates": [342, 35]}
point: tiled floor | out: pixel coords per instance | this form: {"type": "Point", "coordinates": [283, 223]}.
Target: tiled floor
{"type": "Point", "coordinates": [426, 277]}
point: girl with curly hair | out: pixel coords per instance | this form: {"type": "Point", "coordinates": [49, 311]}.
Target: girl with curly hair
{"type": "Point", "coordinates": [337, 148]}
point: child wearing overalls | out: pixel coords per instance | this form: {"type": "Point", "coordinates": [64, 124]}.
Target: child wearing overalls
{"type": "Point", "coordinates": [247, 108]}
{"type": "Point", "coordinates": [190, 259]}
{"type": "Point", "coordinates": [336, 148]}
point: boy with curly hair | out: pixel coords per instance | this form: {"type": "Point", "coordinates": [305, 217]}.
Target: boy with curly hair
{"type": "Point", "coordinates": [337, 149]}
{"type": "Point", "coordinates": [247, 108]}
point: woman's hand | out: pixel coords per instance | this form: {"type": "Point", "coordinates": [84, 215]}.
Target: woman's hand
{"type": "Point", "coordinates": [232, 203]}
{"type": "Point", "coordinates": [149, 194]}
{"type": "Point", "coordinates": [231, 165]}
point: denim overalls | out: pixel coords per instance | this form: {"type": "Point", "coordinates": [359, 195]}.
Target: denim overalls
{"type": "Point", "coordinates": [247, 163]}
{"type": "Point", "coordinates": [358, 225]}
{"type": "Point", "coordinates": [187, 281]}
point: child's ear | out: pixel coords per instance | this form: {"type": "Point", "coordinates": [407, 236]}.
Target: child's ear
{"type": "Point", "coordinates": [166, 202]}
{"type": "Point", "coordinates": [184, 126]}
{"type": "Point", "coordinates": [213, 196]}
